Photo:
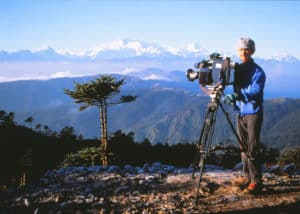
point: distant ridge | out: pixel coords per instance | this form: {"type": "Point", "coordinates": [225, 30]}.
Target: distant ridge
{"type": "Point", "coordinates": [165, 111]}
{"type": "Point", "coordinates": [122, 49]}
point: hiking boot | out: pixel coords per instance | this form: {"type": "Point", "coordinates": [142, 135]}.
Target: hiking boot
{"type": "Point", "coordinates": [254, 188]}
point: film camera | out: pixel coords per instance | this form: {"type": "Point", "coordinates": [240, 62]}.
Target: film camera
{"type": "Point", "coordinates": [216, 70]}
{"type": "Point", "coordinates": [213, 75]}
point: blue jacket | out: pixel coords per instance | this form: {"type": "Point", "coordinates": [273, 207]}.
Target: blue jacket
{"type": "Point", "coordinates": [249, 83]}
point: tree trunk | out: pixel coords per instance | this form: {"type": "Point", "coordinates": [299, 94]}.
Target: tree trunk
{"type": "Point", "coordinates": [105, 134]}
{"type": "Point", "coordinates": [103, 119]}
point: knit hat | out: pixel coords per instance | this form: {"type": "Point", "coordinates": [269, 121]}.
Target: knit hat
{"type": "Point", "coordinates": [246, 43]}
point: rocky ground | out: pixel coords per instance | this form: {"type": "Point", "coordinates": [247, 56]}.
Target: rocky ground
{"type": "Point", "coordinates": [152, 189]}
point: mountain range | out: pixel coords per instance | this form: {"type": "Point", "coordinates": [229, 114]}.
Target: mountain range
{"type": "Point", "coordinates": [138, 59]}
{"type": "Point", "coordinates": [168, 109]}
{"type": "Point", "coordinates": [164, 111]}
{"type": "Point", "coordinates": [118, 49]}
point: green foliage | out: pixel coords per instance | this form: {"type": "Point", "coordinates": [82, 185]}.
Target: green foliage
{"type": "Point", "coordinates": [99, 93]}
{"type": "Point", "coordinates": [269, 155]}
{"type": "Point", "coordinates": [124, 151]}
{"type": "Point", "coordinates": [47, 149]}
{"type": "Point", "coordinates": [95, 92]}
{"type": "Point", "coordinates": [71, 159]}
{"type": "Point", "coordinates": [29, 120]}
{"type": "Point", "coordinates": [89, 156]}
{"type": "Point", "coordinates": [281, 123]}
{"type": "Point", "coordinates": [7, 119]}
{"type": "Point", "coordinates": [67, 134]}
{"type": "Point", "coordinates": [291, 155]}
{"type": "Point", "coordinates": [172, 116]}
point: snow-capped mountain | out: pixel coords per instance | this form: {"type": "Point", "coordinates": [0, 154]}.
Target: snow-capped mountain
{"type": "Point", "coordinates": [47, 54]}
{"type": "Point", "coordinates": [139, 59]}
{"type": "Point", "coordinates": [128, 48]}
{"type": "Point", "coordinates": [117, 49]}
{"type": "Point", "coordinates": [285, 58]}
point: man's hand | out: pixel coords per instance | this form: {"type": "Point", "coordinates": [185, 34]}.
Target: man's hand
{"type": "Point", "coordinates": [230, 98]}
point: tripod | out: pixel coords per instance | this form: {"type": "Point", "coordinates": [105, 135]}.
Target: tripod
{"type": "Point", "coordinates": [205, 140]}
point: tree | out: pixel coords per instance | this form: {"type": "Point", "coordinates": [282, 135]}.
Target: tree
{"type": "Point", "coordinates": [29, 120]}
{"type": "Point", "coordinates": [100, 93]}
{"type": "Point", "coordinates": [67, 134]}
{"type": "Point", "coordinates": [38, 126]}
{"type": "Point", "coordinates": [7, 119]}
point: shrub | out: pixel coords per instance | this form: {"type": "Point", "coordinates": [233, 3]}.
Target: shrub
{"type": "Point", "coordinates": [291, 155]}
{"type": "Point", "coordinates": [85, 157]}
{"type": "Point", "coordinates": [269, 156]}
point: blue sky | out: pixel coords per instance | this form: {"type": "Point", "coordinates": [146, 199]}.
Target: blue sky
{"type": "Point", "coordinates": [79, 25]}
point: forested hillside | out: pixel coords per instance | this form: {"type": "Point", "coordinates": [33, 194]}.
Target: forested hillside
{"type": "Point", "coordinates": [281, 127]}
{"type": "Point", "coordinates": [173, 117]}
{"type": "Point", "coordinates": [163, 112]}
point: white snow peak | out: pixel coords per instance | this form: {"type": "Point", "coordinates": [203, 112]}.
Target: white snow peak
{"type": "Point", "coordinates": [117, 45]}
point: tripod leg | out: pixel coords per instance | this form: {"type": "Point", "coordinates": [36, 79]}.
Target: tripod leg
{"type": "Point", "coordinates": [205, 142]}
{"type": "Point", "coordinates": [201, 165]}
{"type": "Point", "coordinates": [232, 128]}
{"type": "Point", "coordinates": [205, 139]}
{"type": "Point", "coordinates": [202, 141]}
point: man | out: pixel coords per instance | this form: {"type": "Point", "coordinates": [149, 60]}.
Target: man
{"type": "Point", "coordinates": [248, 102]}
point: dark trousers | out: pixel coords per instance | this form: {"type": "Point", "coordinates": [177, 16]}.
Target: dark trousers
{"type": "Point", "coordinates": [248, 128]}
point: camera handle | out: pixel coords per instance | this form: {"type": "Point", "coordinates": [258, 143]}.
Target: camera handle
{"type": "Point", "coordinates": [205, 139]}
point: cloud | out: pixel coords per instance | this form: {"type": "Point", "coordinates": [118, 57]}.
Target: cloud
{"type": "Point", "coordinates": [154, 77]}
{"type": "Point", "coordinates": [193, 47]}
{"type": "Point", "coordinates": [128, 70]}
{"type": "Point", "coordinates": [61, 74]}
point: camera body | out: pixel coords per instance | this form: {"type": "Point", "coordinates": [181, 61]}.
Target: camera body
{"type": "Point", "coordinates": [216, 70]}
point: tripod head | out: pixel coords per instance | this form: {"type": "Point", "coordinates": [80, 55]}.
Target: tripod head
{"type": "Point", "coordinates": [215, 93]}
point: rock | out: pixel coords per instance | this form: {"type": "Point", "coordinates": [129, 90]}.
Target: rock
{"type": "Point", "coordinates": [89, 200]}
{"type": "Point", "coordinates": [274, 169]}
{"type": "Point", "coordinates": [140, 170]}
{"type": "Point", "coordinates": [146, 167]}
{"type": "Point", "coordinates": [96, 168]}
{"type": "Point", "coordinates": [155, 188]}
{"type": "Point", "coordinates": [113, 169]}
{"type": "Point", "coordinates": [231, 198]}
{"type": "Point", "coordinates": [289, 169]}
{"type": "Point", "coordinates": [213, 168]}
{"type": "Point", "coordinates": [62, 205]}
{"type": "Point", "coordinates": [121, 189]}
{"type": "Point", "coordinates": [26, 202]}
{"type": "Point", "coordinates": [130, 169]}
{"type": "Point", "coordinates": [238, 166]}
{"type": "Point", "coordinates": [19, 199]}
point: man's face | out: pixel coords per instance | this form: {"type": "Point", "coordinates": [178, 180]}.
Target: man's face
{"type": "Point", "coordinates": [245, 54]}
